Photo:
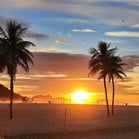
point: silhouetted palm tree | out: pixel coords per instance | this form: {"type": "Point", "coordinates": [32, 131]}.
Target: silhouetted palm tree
{"type": "Point", "coordinates": [115, 69]}
{"type": "Point", "coordinates": [14, 52]}
{"type": "Point", "coordinates": [98, 64]}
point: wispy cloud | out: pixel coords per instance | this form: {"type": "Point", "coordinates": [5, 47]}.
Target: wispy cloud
{"type": "Point", "coordinates": [38, 36]}
{"type": "Point", "coordinates": [55, 35]}
{"type": "Point", "coordinates": [107, 15]}
{"type": "Point", "coordinates": [52, 71]}
{"type": "Point", "coordinates": [133, 82]}
{"type": "Point", "coordinates": [64, 41]}
{"type": "Point", "coordinates": [83, 30]}
{"type": "Point", "coordinates": [36, 76]}
{"type": "Point", "coordinates": [123, 34]}
{"type": "Point", "coordinates": [132, 61]}
{"type": "Point", "coordinates": [61, 62]}
{"type": "Point", "coordinates": [49, 74]}
{"type": "Point", "coordinates": [41, 36]}
{"type": "Point", "coordinates": [25, 88]}
{"type": "Point", "coordinates": [55, 49]}
{"type": "Point", "coordinates": [135, 26]}
{"type": "Point", "coordinates": [70, 62]}
{"type": "Point", "coordinates": [82, 79]}
{"type": "Point", "coordinates": [69, 20]}
{"type": "Point", "coordinates": [51, 49]}
{"type": "Point", "coordinates": [112, 41]}
{"type": "Point", "coordinates": [133, 2]}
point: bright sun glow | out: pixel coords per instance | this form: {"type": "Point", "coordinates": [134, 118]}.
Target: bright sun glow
{"type": "Point", "coordinates": [80, 97]}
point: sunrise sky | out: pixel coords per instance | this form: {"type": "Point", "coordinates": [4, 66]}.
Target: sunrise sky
{"type": "Point", "coordinates": [64, 31]}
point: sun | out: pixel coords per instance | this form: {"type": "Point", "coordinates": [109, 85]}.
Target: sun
{"type": "Point", "coordinates": [80, 97]}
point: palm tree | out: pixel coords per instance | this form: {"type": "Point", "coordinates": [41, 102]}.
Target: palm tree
{"type": "Point", "coordinates": [14, 52]}
{"type": "Point", "coordinates": [115, 69]}
{"type": "Point", "coordinates": [98, 64]}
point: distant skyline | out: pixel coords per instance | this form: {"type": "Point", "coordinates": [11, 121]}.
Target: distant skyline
{"type": "Point", "coordinates": [73, 27]}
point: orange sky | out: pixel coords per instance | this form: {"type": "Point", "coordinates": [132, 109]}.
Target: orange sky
{"type": "Point", "coordinates": [63, 74]}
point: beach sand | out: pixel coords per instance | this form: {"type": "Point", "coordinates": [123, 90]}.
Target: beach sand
{"type": "Point", "coordinates": [43, 121]}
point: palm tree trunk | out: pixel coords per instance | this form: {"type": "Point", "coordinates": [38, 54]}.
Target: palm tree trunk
{"type": "Point", "coordinates": [113, 94]}
{"type": "Point", "coordinates": [106, 96]}
{"type": "Point", "coordinates": [11, 97]}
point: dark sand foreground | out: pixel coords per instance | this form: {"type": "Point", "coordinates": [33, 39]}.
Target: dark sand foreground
{"type": "Point", "coordinates": [43, 121]}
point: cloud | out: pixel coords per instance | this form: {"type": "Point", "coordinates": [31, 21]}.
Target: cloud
{"type": "Point", "coordinates": [38, 36]}
{"type": "Point", "coordinates": [133, 2]}
{"type": "Point", "coordinates": [132, 84]}
{"type": "Point", "coordinates": [51, 49]}
{"type": "Point", "coordinates": [135, 26]}
{"type": "Point", "coordinates": [48, 74]}
{"type": "Point", "coordinates": [55, 49]}
{"type": "Point", "coordinates": [82, 79]}
{"type": "Point", "coordinates": [25, 88]}
{"type": "Point", "coordinates": [41, 36]}
{"type": "Point", "coordinates": [59, 33]}
{"type": "Point", "coordinates": [123, 34]}
{"type": "Point", "coordinates": [31, 76]}
{"type": "Point", "coordinates": [83, 30]}
{"type": "Point", "coordinates": [72, 65]}
{"type": "Point", "coordinates": [64, 63]}
{"type": "Point", "coordinates": [110, 13]}
{"type": "Point", "coordinates": [51, 74]}
{"type": "Point", "coordinates": [52, 71]}
{"type": "Point", "coordinates": [63, 41]}
{"type": "Point", "coordinates": [132, 61]}
{"type": "Point", "coordinates": [68, 20]}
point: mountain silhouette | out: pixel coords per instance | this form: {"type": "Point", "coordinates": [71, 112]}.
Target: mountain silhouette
{"type": "Point", "coordinates": [5, 94]}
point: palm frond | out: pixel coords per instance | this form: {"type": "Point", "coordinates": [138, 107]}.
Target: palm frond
{"type": "Point", "coordinates": [2, 33]}
{"type": "Point", "coordinates": [14, 48]}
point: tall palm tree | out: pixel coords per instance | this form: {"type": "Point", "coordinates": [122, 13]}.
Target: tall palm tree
{"type": "Point", "coordinates": [115, 69]}
{"type": "Point", "coordinates": [98, 64]}
{"type": "Point", "coordinates": [14, 52]}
